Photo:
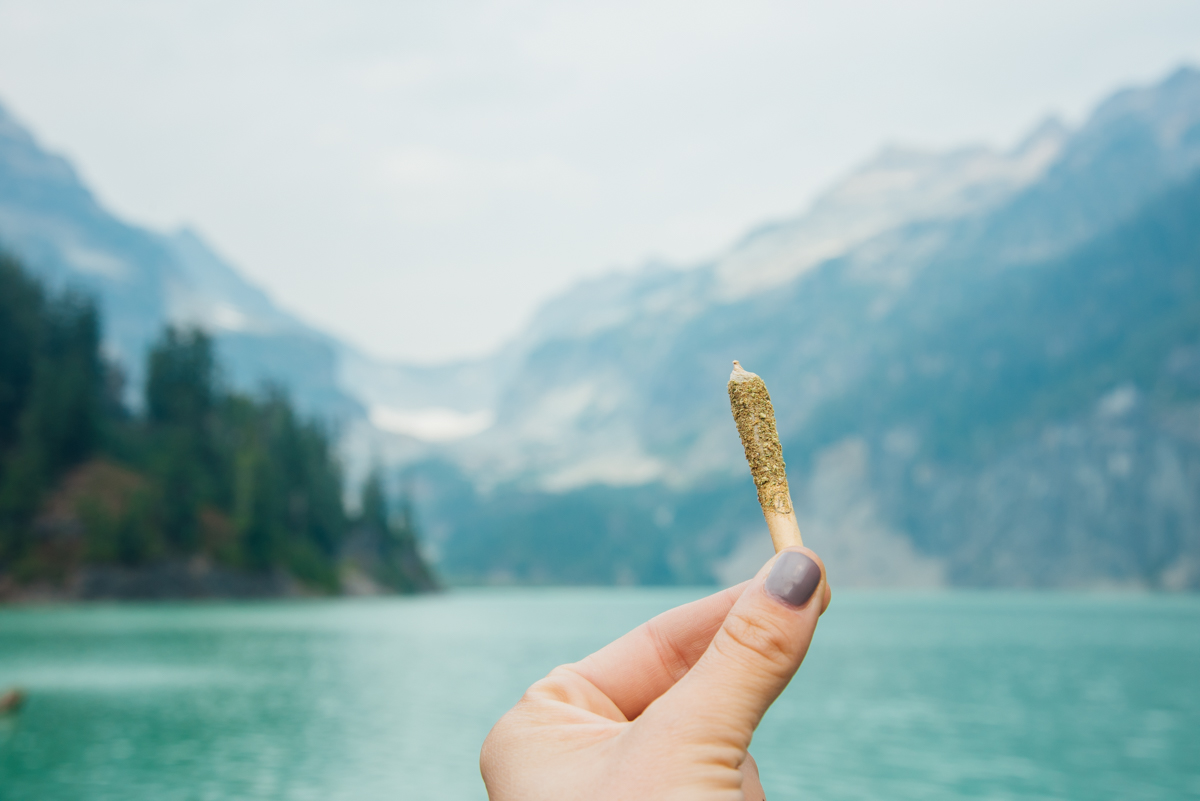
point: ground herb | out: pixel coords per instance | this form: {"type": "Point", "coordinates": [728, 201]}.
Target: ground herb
{"type": "Point", "coordinates": [755, 419]}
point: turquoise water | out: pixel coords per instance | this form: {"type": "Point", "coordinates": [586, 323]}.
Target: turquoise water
{"type": "Point", "coordinates": [948, 696]}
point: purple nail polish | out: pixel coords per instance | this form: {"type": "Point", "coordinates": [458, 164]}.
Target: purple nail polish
{"type": "Point", "coordinates": [793, 578]}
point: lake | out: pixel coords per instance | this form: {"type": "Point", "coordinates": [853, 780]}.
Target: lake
{"type": "Point", "coordinates": [903, 696]}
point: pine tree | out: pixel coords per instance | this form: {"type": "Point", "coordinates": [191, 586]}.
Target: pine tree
{"type": "Point", "coordinates": [51, 397]}
{"type": "Point", "coordinates": [244, 481]}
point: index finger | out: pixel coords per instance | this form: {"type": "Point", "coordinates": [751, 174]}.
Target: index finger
{"type": "Point", "coordinates": [643, 664]}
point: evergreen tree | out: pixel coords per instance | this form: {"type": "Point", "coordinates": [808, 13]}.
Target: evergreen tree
{"type": "Point", "coordinates": [21, 304]}
{"type": "Point", "coordinates": [51, 397]}
{"type": "Point", "coordinates": [241, 480]}
{"type": "Point", "coordinates": [392, 539]}
{"type": "Point", "coordinates": [181, 399]}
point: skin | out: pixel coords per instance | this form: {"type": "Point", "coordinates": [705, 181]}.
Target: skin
{"type": "Point", "coordinates": [665, 712]}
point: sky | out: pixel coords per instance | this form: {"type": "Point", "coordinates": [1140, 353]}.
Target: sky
{"type": "Point", "coordinates": [417, 177]}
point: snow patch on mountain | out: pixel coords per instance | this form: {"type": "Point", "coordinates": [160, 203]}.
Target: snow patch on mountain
{"type": "Point", "coordinates": [898, 187]}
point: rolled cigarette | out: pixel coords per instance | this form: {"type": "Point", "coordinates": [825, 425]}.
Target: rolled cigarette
{"type": "Point", "coordinates": [755, 419]}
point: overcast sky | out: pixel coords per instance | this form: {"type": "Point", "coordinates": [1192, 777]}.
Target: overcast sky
{"type": "Point", "coordinates": [417, 176]}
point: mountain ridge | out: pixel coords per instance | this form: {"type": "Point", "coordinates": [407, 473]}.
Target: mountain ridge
{"type": "Point", "coordinates": [639, 403]}
{"type": "Point", "coordinates": [675, 297]}
{"type": "Point", "coordinates": [610, 401]}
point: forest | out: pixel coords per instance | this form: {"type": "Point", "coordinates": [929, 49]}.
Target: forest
{"type": "Point", "coordinates": [198, 491]}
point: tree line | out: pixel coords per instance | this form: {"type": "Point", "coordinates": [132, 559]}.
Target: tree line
{"type": "Point", "coordinates": [199, 471]}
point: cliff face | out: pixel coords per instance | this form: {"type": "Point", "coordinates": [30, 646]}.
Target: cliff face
{"type": "Point", "coordinates": [1052, 438]}
{"type": "Point", "coordinates": [1108, 499]}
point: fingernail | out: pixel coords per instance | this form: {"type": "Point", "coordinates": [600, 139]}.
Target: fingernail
{"type": "Point", "coordinates": [793, 578]}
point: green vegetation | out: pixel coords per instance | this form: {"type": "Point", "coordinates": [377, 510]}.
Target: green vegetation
{"type": "Point", "coordinates": [206, 474]}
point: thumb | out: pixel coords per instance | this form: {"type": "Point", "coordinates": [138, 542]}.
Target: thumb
{"type": "Point", "coordinates": [751, 659]}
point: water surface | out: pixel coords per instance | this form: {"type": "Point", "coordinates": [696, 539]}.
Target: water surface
{"type": "Point", "coordinates": [943, 696]}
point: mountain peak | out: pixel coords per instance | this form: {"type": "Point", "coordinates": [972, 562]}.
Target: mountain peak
{"type": "Point", "coordinates": [30, 176]}
{"type": "Point", "coordinates": [1166, 103]}
{"type": "Point", "coordinates": [1050, 132]}
{"type": "Point", "coordinates": [899, 186]}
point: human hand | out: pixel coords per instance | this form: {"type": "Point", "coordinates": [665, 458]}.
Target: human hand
{"type": "Point", "coordinates": [668, 710]}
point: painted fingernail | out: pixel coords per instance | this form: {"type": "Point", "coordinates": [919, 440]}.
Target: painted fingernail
{"type": "Point", "coordinates": [793, 578]}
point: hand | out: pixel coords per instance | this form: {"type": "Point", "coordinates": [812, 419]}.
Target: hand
{"type": "Point", "coordinates": [668, 710]}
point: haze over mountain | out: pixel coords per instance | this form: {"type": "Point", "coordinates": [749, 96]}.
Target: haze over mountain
{"type": "Point", "coordinates": [986, 368]}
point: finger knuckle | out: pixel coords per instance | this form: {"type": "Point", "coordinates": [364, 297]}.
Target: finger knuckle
{"type": "Point", "coordinates": [489, 753]}
{"type": "Point", "coordinates": [498, 744]}
{"type": "Point", "coordinates": [758, 639]}
{"type": "Point", "coordinates": [553, 687]}
{"type": "Point", "coordinates": [672, 658]}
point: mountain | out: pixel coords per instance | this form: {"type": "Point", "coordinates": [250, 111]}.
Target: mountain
{"type": "Point", "coordinates": [574, 417]}
{"type": "Point", "coordinates": [143, 280]}
{"type": "Point", "coordinates": [984, 368]}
